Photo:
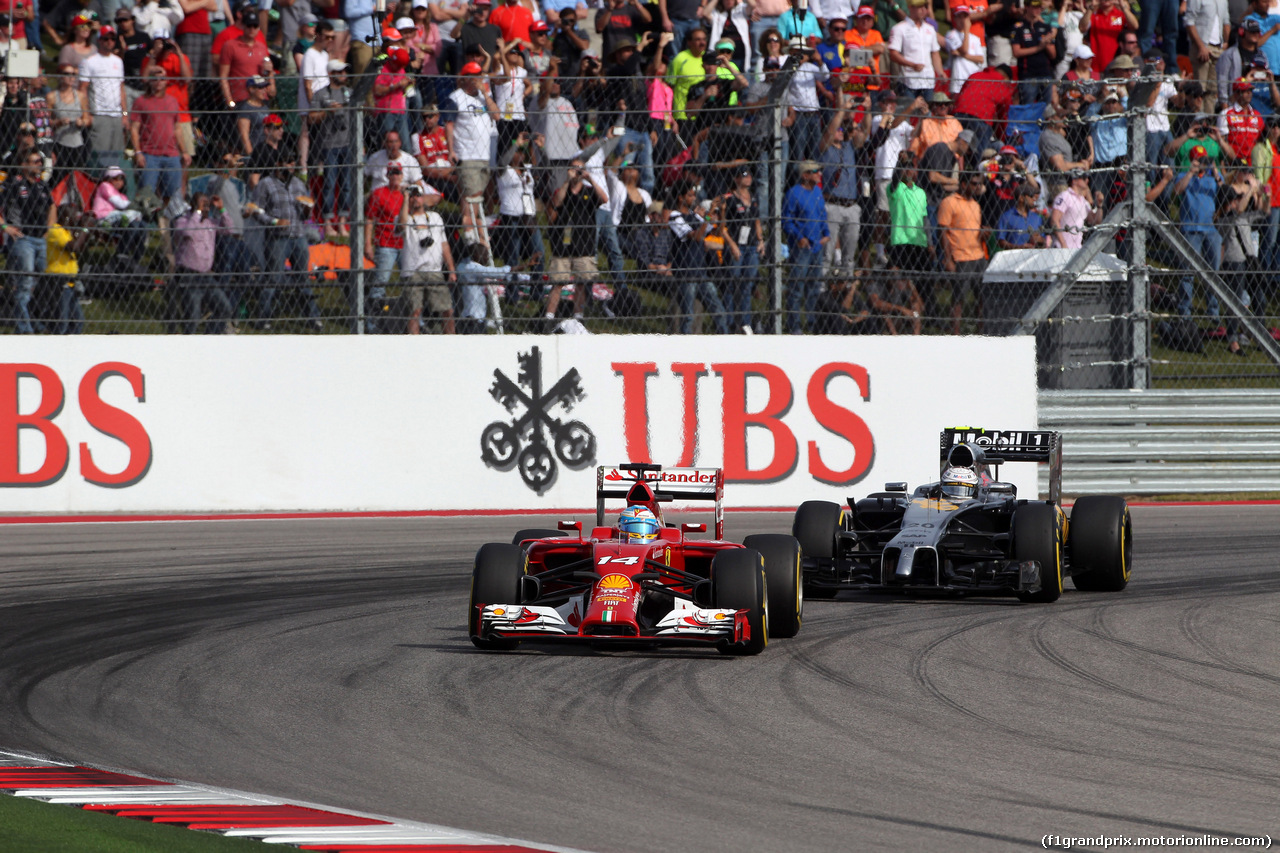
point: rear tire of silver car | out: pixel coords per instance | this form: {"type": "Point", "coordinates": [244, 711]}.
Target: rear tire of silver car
{"type": "Point", "coordinates": [535, 533]}
{"type": "Point", "coordinates": [781, 555]}
{"type": "Point", "coordinates": [815, 528]}
{"type": "Point", "coordinates": [738, 583]}
{"type": "Point", "coordinates": [1035, 537]}
{"type": "Point", "coordinates": [495, 580]}
{"type": "Point", "coordinates": [1100, 542]}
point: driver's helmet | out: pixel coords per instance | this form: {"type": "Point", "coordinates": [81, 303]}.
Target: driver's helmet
{"type": "Point", "coordinates": [637, 524]}
{"type": "Point", "coordinates": [959, 482]}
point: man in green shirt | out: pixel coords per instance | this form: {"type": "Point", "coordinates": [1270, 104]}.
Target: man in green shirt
{"type": "Point", "coordinates": [687, 70]}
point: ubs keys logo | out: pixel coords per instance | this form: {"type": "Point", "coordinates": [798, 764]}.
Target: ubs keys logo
{"type": "Point", "coordinates": [523, 442]}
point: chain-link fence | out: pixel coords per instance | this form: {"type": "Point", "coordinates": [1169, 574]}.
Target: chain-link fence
{"type": "Point", "coordinates": [634, 195]}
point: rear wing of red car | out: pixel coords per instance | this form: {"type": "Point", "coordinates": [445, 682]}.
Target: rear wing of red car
{"type": "Point", "coordinates": [643, 483]}
{"type": "Point", "coordinates": [999, 446]}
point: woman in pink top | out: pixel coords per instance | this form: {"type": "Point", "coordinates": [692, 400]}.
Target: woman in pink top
{"type": "Point", "coordinates": [425, 40]}
{"type": "Point", "coordinates": [110, 207]}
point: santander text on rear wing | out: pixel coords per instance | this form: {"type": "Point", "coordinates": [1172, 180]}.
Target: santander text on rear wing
{"type": "Point", "coordinates": [1010, 445]}
{"type": "Point", "coordinates": [664, 484]}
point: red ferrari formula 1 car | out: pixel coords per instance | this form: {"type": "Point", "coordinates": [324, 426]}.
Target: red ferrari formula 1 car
{"type": "Point", "coordinates": [641, 580]}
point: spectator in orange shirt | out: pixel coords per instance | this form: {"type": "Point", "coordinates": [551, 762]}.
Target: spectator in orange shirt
{"type": "Point", "coordinates": [963, 238]}
{"type": "Point", "coordinates": [939, 126]}
{"type": "Point", "coordinates": [514, 20]}
{"type": "Point", "coordinates": [865, 36]}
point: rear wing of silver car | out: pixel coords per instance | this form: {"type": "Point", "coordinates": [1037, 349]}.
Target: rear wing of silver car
{"type": "Point", "coordinates": [642, 483]}
{"type": "Point", "coordinates": [998, 446]}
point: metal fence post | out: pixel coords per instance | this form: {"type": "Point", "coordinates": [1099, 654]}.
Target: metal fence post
{"type": "Point", "coordinates": [1140, 357]}
{"type": "Point", "coordinates": [357, 233]}
{"type": "Point", "coordinates": [775, 213]}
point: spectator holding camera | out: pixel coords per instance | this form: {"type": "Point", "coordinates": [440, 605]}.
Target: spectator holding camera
{"type": "Point", "coordinates": [517, 238]}
{"type": "Point", "coordinates": [1202, 133]}
{"type": "Point", "coordinates": [283, 206]}
{"type": "Point", "coordinates": [468, 126]}
{"type": "Point", "coordinates": [425, 261]}
{"type": "Point", "coordinates": [689, 263]}
{"type": "Point", "coordinates": [1075, 209]}
{"type": "Point", "coordinates": [571, 215]}
{"type": "Point", "coordinates": [195, 235]}
{"type": "Point", "coordinates": [569, 41]}
{"type": "Point", "coordinates": [1198, 187]}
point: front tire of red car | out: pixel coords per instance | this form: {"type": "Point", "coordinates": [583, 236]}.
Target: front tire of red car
{"type": "Point", "coordinates": [738, 583]}
{"type": "Point", "coordinates": [495, 580]}
{"type": "Point", "coordinates": [781, 555]}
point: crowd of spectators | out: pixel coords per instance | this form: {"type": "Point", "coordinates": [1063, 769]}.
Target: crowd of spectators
{"type": "Point", "coordinates": [624, 158]}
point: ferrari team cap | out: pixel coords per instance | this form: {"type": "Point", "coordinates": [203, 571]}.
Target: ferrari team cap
{"type": "Point", "coordinates": [273, 119]}
{"type": "Point", "coordinates": [865, 12]}
{"type": "Point", "coordinates": [1242, 85]}
{"type": "Point", "coordinates": [472, 68]}
{"type": "Point", "coordinates": [538, 27]}
{"type": "Point", "coordinates": [1198, 152]}
{"type": "Point", "coordinates": [960, 10]}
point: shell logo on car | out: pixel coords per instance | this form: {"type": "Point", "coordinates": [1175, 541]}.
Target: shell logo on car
{"type": "Point", "coordinates": [615, 582]}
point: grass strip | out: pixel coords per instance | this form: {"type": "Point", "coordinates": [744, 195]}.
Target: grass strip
{"type": "Point", "coordinates": [32, 826]}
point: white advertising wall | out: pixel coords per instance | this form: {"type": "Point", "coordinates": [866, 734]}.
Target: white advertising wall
{"type": "Point", "coordinates": [176, 424]}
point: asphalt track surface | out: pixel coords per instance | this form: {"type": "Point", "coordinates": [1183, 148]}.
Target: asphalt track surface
{"type": "Point", "coordinates": [327, 660]}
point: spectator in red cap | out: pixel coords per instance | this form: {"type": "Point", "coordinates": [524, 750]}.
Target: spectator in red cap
{"type": "Point", "coordinates": [470, 122]}
{"type": "Point", "coordinates": [539, 55]}
{"type": "Point", "coordinates": [863, 35]}
{"type": "Point", "coordinates": [968, 50]}
{"type": "Point", "coordinates": [1198, 189]}
{"type": "Point", "coordinates": [1240, 123]}
{"type": "Point", "coordinates": [389, 89]}
{"type": "Point", "coordinates": [267, 154]}
{"type": "Point", "coordinates": [102, 79]}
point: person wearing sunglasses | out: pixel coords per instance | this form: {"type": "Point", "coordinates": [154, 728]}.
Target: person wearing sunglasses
{"type": "Point", "coordinates": [102, 80]}
{"type": "Point", "coordinates": [242, 58]}
{"type": "Point", "coordinates": [24, 214]}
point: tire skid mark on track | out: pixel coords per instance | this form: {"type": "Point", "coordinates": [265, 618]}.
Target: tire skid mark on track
{"type": "Point", "coordinates": [1042, 646]}
{"type": "Point", "coordinates": [920, 674]}
{"type": "Point", "coordinates": [1188, 625]}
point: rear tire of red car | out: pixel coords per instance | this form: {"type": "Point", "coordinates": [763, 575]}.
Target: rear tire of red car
{"type": "Point", "coordinates": [1100, 542]}
{"type": "Point", "coordinates": [738, 583]}
{"type": "Point", "coordinates": [781, 555]}
{"type": "Point", "coordinates": [1035, 537]}
{"type": "Point", "coordinates": [535, 533]}
{"type": "Point", "coordinates": [495, 580]}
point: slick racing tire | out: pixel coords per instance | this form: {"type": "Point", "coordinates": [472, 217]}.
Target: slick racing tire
{"type": "Point", "coordinates": [535, 533]}
{"type": "Point", "coordinates": [1100, 541]}
{"type": "Point", "coordinates": [737, 583]}
{"type": "Point", "coordinates": [495, 580]}
{"type": "Point", "coordinates": [781, 555]}
{"type": "Point", "coordinates": [1035, 537]}
{"type": "Point", "coordinates": [815, 528]}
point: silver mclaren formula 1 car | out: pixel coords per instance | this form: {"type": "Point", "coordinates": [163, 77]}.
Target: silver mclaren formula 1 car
{"type": "Point", "coordinates": [969, 532]}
